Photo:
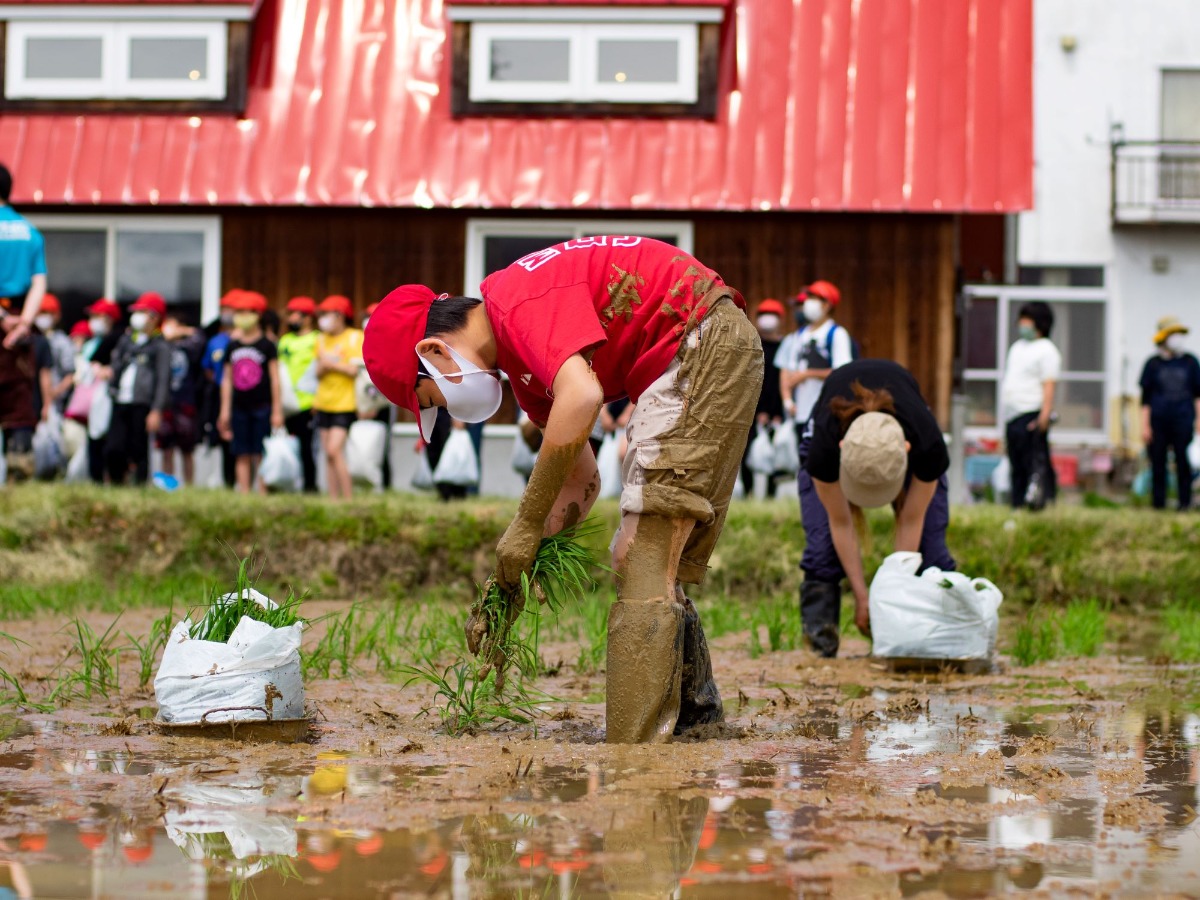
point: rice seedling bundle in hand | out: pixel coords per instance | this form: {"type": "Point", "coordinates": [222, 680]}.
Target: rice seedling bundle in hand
{"type": "Point", "coordinates": [561, 571]}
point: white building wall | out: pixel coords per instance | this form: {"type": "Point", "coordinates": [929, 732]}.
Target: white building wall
{"type": "Point", "coordinates": [1111, 79]}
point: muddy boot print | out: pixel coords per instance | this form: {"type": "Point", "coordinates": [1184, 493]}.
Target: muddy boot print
{"type": "Point", "coordinates": [645, 659]}
{"type": "Point", "coordinates": [820, 615]}
{"type": "Point", "coordinates": [699, 698]}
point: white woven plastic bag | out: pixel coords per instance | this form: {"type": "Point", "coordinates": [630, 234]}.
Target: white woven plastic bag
{"type": "Point", "coordinates": [787, 450]}
{"type": "Point", "coordinates": [762, 452]}
{"type": "Point", "coordinates": [281, 469]}
{"type": "Point", "coordinates": [934, 615]}
{"type": "Point", "coordinates": [252, 678]}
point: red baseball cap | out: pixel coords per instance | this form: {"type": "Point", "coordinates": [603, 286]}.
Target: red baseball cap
{"type": "Point", "coordinates": [81, 329]}
{"type": "Point", "coordinates": [229, 301]}
{"type": "Point", "coordinates": [304, 305]}
{"type": "Point", "coordinates": [249, 301]}
{"type": "Point", "coordinates": [390, 349]}
{"type": "Point", "coordinates": [822, 290]}
{"type": "Point", "coordinates": [106, 308]}
{"type": "Point", "coordinates": [338, 304]}
{"type": "Point", "coordinates": [770, 306]}
{"type": "Point", "coordinates": [151, 301]}
{"type": "Point", "coordinates": [50, 304]}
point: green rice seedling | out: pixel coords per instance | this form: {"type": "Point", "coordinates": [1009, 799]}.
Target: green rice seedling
{"type": "Point", "coordinates": [561, 572]}
{"type": "Point", "coordinates": [99, 660]}
{"type": "Point", "coordinates": [782, 622]}
{"type": "Point", "coordinates": [723, 615]}
{"type": "Point", "coordinates": [1083, 627]}
{"type": "Point", "coordinates": [755, 647]}
{"type": "Point", "coordinates": [223, 615]}
{"type": "Point", "coordinates": [15, 693]}
{"type": "Point", "coordinates": [593, 634]}
{"type": "Point", "coordinates": [148, 648]}
{"type": "Point", "coordinates": [472, 699]}
{"type": "Point", "coordinates": [1037, 640]}
{"type": "Point", "coordinates": [1181, 632]}
{"type": "Point", "coordinates": [337, 645]}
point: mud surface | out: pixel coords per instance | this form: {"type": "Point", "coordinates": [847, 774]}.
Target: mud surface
{"type": "Point", "coordinates": [830, 778]}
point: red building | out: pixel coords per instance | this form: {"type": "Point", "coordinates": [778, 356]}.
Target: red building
{"type": "Point", "coordinates": [322, 146]}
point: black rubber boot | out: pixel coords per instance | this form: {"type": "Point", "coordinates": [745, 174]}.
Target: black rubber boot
{"type": "Point", "coordinates": [820, 616]}
{"type": "Point", "coordinates": [700, 701]}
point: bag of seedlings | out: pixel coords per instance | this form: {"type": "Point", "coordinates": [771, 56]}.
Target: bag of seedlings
{"type": "Point", "coordinates": [239, 663]}
{"type": "Point", "coordinates": [934, 615]}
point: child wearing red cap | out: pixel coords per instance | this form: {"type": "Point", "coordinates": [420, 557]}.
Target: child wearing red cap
{"type": "Point", "coordinates": [339, 359]}
{"type": "Point", "coordinates": [141, 389]}
{"type": "Point", "coordinates": [574, 325]}
{"type": "Point", "coordinates": [298, 354]}
{"type": "Point", "coordinates": [250, 402]}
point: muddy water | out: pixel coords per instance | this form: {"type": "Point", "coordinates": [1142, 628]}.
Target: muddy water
{"type": "Point", "coordinates": [833, 779]}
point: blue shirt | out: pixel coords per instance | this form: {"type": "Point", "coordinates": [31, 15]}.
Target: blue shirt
{"type": "Point", "coordinates": [214, 356]}
{"type": "Point", "coordinates": [22, 253]}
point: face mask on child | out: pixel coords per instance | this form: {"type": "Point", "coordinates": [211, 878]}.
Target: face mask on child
{"type": "Point", "coordinates": [244, 321]}
{"type": "Point", "coordinates": [1027, 333]}
{"type": "Point", "coordinates": [767, 322]}
{"type": "Point", "coordinates": [44, 321]}
{"type": "Point", "coordinates": [1175, 343]}
{"type": "Point", "coordinates": [327, 322]}
{"type": "Point", "coordinates": [470, 399]}
{"type": "Point", "coordinates": [99, 325]}
{"type": "Point", "coordinates": [138, 321]}
{"type": "Point", "coordinates": [813, 310]}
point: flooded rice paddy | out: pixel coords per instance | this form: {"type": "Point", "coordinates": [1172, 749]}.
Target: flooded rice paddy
{"type": "Point", "coordinates": [832, 779]}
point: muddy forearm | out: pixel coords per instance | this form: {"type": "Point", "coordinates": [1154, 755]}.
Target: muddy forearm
{"type": "Point", "coordinates": [578, 494]}
{"type": "Point", "coordinates": [577, 401]}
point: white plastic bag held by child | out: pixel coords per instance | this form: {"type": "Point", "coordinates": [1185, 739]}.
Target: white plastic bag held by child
{"type": "Point", "coordinates": [281, 469]}
{"type": "Point", "coordinates": [458, 464]}
{"type": "Point", "coordinates": [934, 615]}
{"type": "Point", "coordinates": [365, 445]}
{"type": "Point", "coordinates": [252, 678]}
{"type": "Point", "coordinates": [762, 452]}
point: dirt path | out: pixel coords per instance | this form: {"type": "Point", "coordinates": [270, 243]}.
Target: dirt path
{"type": "Point", "coordinates": [832, 777]}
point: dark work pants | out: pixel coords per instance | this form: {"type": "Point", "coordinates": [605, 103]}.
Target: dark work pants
{"type": "Point", "coordinates": [128, 443]}
{"type": "Point", "coordinates": [820, 561]}
{"type": "Point", "coordinates": [301, 426]}
{"type": "Point", "coordinates": [1027, 450]}
{"type": "Point", "coordinates": [1172, 433]}
{"type": "Point", "coordinates": [437, 443]}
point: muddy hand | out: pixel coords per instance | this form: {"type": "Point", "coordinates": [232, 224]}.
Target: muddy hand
{"type": "Point", "coordinates": [516, 551]}
{"type": "Point", "coordinates": [476, 628]}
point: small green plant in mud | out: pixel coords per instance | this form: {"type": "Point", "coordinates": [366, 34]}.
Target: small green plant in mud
{"type": "Point", "coordinates": [1037, 639]}
{"type": "Point", "coordinates": [1083, 627]}
{"type": "Point", "coordinates": [224, 613]}
{"type": "Point", "coordinates": [476, 693]}
{"type": "Point", "coordinates": [593, 634]}
{"type": "Point", "coordinates": [12, 693]}
{"type": "Point", "coordinates": [98, 671]}
{"type": "Point", "coordinates": [1181, 633]}
{"type": "Point", "coordinates": [148, 648]}
{"type": "Point", "coordinates": [338, 645]}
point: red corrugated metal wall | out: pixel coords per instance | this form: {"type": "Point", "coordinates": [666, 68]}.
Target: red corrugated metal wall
{"type": "Point", "coordinates": [890, 105]}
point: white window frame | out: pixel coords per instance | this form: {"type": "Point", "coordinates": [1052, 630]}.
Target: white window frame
{"type": "Point", "coordinates": [583, 39]}
{"type": "Point", "coordinates": [114, 82]}
{"type": "Point", "coordinates": [1006, 298]}
{"type": "Point", "coordinates": [208, 226]}
{"type": "Point", "coordinates": [480, 229]}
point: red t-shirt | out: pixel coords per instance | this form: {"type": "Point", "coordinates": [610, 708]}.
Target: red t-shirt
{"type": "Point", "coordinates": [627, 298]}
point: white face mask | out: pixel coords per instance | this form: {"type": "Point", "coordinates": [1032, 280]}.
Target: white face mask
{"type": "Point", "coordinates": [471, 399]}
{"type": "Point", "coordinates": [99, 325]}
{"type": "Point", "coordinates": [326, 323]}
{"type": "Point", "coordinates": [814, 310]}
{"type": "Point", "coordinates": [767, 322]}
{"type": "Point", "coordinates": [1175, 343]}
{"type": "Point", "coordinates": [138, 321]}
{"type": "Point", "coordinates": [44, 321]}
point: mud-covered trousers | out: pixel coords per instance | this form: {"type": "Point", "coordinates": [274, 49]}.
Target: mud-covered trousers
{"type": "Point", "coordinates": [820, 560]}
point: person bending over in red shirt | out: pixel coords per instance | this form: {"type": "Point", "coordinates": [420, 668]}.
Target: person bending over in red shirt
{"type": "Point", "coordinates": [574, 326]}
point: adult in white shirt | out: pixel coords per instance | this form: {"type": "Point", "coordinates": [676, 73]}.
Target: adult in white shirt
{"type": "Point", "coordinates": [807, 356]}
{"type": "Point", "coordinates": [1031, 373]}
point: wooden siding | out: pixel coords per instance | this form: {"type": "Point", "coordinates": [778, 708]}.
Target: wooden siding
{"type": "Point", "coordinates": [896, 272]}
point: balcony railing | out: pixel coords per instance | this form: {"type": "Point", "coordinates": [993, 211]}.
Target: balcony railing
{"type": "Point", "coordinates": [1155, 181]}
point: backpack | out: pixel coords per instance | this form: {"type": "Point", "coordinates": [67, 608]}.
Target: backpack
{"type": "Point", "coordinates": [855, 350]}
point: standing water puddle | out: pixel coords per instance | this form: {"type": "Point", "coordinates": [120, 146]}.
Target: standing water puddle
{"type": "Point", "coordinates": [865, 793]}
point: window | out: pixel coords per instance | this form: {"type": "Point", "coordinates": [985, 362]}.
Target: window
{"type": "Point", "coordinates": [604, 59]}
{"type": "Point", "coordinates": [123, 256]}
{"type": "Point", "coordinates": [1179, 166]}
{"type": "Point", "coordinates": [493, 244]}
{"type": "Point", "coordinates": [583, 63]}
{"type": "Point", "coordinates": [89, 60]}
{"type": "Point", "coordinates": [1080, 333]}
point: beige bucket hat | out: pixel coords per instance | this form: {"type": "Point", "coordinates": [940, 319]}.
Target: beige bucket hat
{"type": "Point", "coordinates": [874, 460]}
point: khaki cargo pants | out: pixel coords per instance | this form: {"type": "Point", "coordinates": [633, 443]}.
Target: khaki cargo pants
{"type": "Point", "coordinates": [688, 431]}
